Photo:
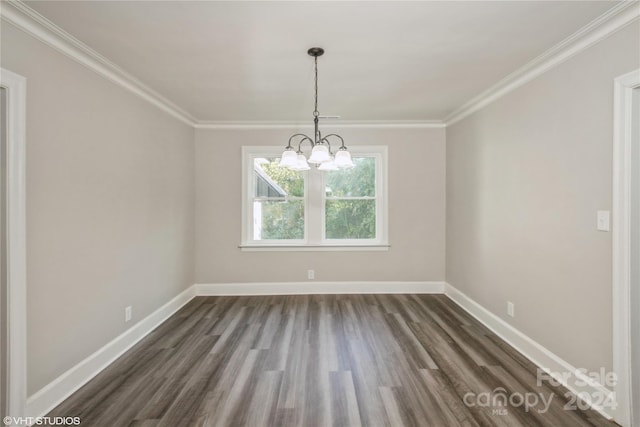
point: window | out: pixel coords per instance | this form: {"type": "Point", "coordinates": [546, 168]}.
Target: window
{"type": "Point", "coordinates": [315, 209]}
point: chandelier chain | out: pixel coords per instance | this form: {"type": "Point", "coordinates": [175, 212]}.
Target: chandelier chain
{"type": "Point", "coordinates": [315, 111]}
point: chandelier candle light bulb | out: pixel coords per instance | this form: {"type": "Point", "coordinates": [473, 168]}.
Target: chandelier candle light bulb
{"type": "Point", "coordinates": [321, 154]}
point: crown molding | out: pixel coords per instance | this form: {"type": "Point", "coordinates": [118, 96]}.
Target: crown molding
{"type": "Point", "coordinates": [342, 124]}
{"type": "Point", "coordinates": [31, 22]}
{"type": "Point", "coordinates": [606, 24]}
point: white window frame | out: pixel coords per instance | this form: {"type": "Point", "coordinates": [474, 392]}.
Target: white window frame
{"type": "Point", "coordinates": [314, 206]}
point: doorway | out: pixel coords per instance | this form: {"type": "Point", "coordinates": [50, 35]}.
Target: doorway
{"type": "Point", "coordinates": [626, 248]}
{"type": "Point", "coordinates": [13, 333]}
{"type": "Point", "coordinates": [635, 258]}
{"type": "Point", "coordinates": [4, 321]}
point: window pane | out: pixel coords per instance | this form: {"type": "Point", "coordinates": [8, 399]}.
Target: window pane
{"type": "Point", "coordinates": [359, 181]}
{"type": "Point", "coordinates": [350, 219]}
{"type": "Point", "coordinates": [273, 181]}
{"type": "Point", "coordinates": [278, 220]}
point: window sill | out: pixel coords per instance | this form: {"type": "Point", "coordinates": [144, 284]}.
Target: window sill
{"type": "Point", "coordinates": [313, 248]}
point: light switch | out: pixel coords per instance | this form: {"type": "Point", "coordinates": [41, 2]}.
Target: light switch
{"type": "Point", "coordinates": [604, 220]}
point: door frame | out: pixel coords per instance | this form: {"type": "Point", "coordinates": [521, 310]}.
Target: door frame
{"type": "Point", "coordinates": [622, 143]}
{"type": "Point", "coordinates": [16, 91]}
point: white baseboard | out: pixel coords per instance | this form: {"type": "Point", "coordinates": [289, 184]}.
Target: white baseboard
{"type": "Point", "coordinates": [578, 383]}
{"type": "Point", "coordinates": [312, 287]}
{"type": "Point", "coordinates": [47, 398]}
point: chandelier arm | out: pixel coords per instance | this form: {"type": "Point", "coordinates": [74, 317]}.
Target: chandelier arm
{"type": "Point", "coordinates": [328, 143]}
{"type": "Point", "coordinates": [306, 138]}
{"type": "Point", "coordinates": [293, 136]}
{"type": "Point", "coordinates": [342, 147]}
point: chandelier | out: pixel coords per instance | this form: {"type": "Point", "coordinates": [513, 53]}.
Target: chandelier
{"type": "Point", "coordinates": [321, 154]}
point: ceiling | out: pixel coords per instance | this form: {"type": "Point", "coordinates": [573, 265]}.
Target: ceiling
{"type": "Point", "coordinates": [384, 60]}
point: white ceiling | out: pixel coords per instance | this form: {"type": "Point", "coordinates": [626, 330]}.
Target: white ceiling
{"type": "Point", "coordinates": [385, 61]}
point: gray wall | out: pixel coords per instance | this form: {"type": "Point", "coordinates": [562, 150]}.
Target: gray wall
{"type": "Point", "coordinates": [525, 177]}
{"type": "Point", "coordinates": [416, 214]}
{"type": "Point", "coordinates": [109, 207]}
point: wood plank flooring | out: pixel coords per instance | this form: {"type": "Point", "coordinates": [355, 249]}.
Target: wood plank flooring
{"type": "Point", "coordinates": [319, 360]}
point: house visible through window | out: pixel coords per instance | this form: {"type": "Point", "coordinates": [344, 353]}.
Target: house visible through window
{"type": "Point", "coordinates": [346, 207]}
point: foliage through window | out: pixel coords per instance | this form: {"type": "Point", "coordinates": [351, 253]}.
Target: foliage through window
{"type": "Point", "coordinates": [350, 203]}
{"type": "Point", "coordinates": [314, 208]}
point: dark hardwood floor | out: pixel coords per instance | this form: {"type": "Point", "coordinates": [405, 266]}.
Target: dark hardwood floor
{"type": "Point", "coordinates": [320, 360]}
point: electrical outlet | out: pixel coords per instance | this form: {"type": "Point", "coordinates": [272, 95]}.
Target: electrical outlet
{"type": "Point", "coordinates": [510, 309]}
{"type": "Point", "coordinates": [311, 274]}
{"type": "Point", "coordinates": [127, 313]}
